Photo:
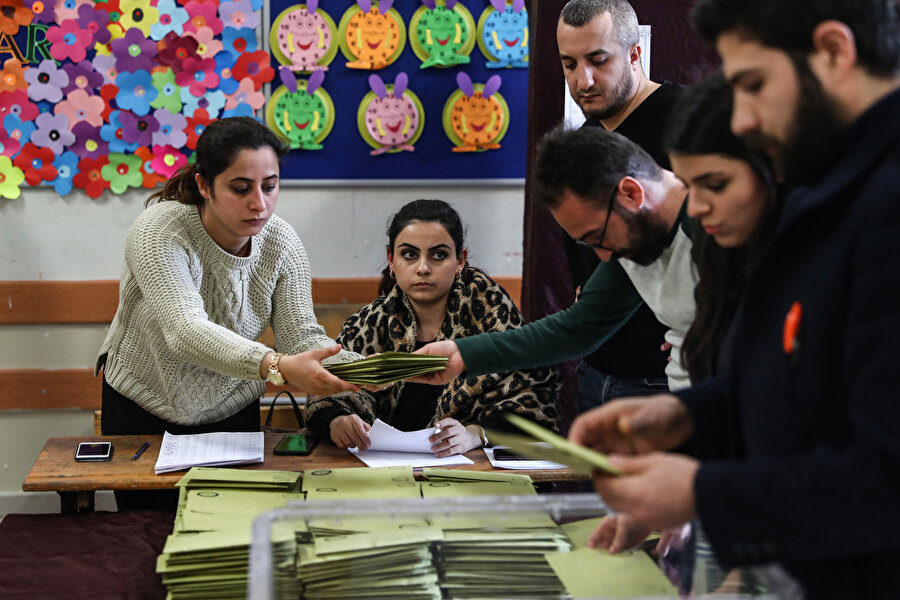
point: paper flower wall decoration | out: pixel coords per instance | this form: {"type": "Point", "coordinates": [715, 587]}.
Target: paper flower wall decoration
{"type": "Point", "coordinates": [390, 118]}
{"type": "Point", "coordinates": [442, 36]}
{"type": "Point", "coordinates": [301, 111]}
{"type": "Point", "coordinates": [372, 34]}
{"type": "Point", "coordinates": [11, 177]}
{"type": "Point", "coordinates": [127, 76]}
{"type": "Point", "coordinates": [475, 116]}
{"type": "Point", "coordinates": [304, 37]}
{"type": "Point", "coordinates": [503, 34]}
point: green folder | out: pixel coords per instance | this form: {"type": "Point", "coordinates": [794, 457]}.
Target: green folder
{"type": "Point", "coordinates": [387, 367]}
{"type": "Point", "coordinates": [562, 451]}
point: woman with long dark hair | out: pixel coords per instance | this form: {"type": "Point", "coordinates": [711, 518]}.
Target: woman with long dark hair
{"type": "Point", "coordinates": [428, 292]}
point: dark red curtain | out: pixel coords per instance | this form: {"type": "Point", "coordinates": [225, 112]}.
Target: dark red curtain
{"type": "Point", "coordinates": [676, 54]}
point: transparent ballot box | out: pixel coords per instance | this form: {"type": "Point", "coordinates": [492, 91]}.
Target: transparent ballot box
{"type": "Point", "coordinates": [511, 546]}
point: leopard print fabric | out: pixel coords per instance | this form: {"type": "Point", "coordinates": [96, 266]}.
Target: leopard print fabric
{"type": "Point", "coordinates": [477, 304]}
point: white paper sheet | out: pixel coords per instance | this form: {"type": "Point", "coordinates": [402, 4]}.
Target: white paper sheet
{"type": "Point", "coordinates": [392, 447]}
{"type": "Point", "coordinates": [521, 464]}
{"type": "Point", "coordinates": [209, 449]}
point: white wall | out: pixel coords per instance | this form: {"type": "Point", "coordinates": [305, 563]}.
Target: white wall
{"type": "Point", "coordinates": [43, 236]}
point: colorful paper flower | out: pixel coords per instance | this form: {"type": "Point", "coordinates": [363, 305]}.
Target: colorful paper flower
{"type": "Point", "coordinates": [171, 129]}
{"type": "Point", "coordinates": [11, 177]}
{"type": "Point", "coordinates": [138, 14]}
{"type": "Point", "coordinates": [95, 21]}
{"type": "Point", "coordinates": [12, 77]}
{"type": "Point", "coordinates": [196, 125]}
{"type": "Point", "coordinates": [238, 14]}
{"type": "Point", "coordinates": [198, 75]}
{"type": "Point", "coordinates": [106, 66]}
{"type": "Point", "coordinates": [207, 44]}
{"type": "Point", "coordinates": [36, 163]}
{"type": "Point", "coordinates": [123, 171]}
{"type": "Point", "coordinates": [82, 76]}
{"type": "Point", "coordinates": [68, 9]}
{"type": "Point", "coordinates": [108, 92]}
{"type": "Point", "coordinates": [44, 12]}
{"type": "Point", "coordinates": [211, 102]}
{"type": "Point", "coordinates": [246, 94]}
{"type": "Point", "coordinates": [14, 14]}
{"type": "Point", "coordinates": [113, 133]}
{"type": "Point", "coordinates": [224, 65]}
{"type": "Point", "coordinates": [177, 50]}
{"type": "Point", "coordinates": [238, 41]}
{"type": "Point", "coordinates": [90, 178]}
{"type": "Point", "coordinates": [134, 52]}
{"type": "Point", "coordinates": [167, 160]}
{"type": "Point", "coordinates": [78, 106]}
{"type": "Point", "coordinates": [45, 81]}
{"type": "Point", "coordinates": [88, 143]}
{"type": "Point", "coordinates": [137, 130]}
{"type": "Point", "coordinates": [256, 66]}
{"type": "Point", "coordinates": [136, 92]}
{"type": "Point", "coordinates": [69, 41]}
{"type": "Point", "coordinates": [15, 133]}
{"type": "Point", "coordinates": [202, 13]}
{"type": "Point", "coordinates": [171, 18]}
{"type": "Point", "coordinates": [241, 110]}
{"type": "Point", "coordinates": [52, 132]}
{"type": "Point", "coordinates": [168, 92]}
{"type": "Point", "coordinates": [17, 103]}
{"type": "Point", "coordinates": [66, 168]}
{"type": "Point", "coordinates": [149, 177]}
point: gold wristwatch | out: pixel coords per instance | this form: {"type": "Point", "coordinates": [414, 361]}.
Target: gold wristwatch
{"type": "Point", "coordinates": [274, 376]}
{"type": "Point", "coordinates": [483, 435]}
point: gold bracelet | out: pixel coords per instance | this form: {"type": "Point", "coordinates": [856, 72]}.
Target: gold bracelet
{"type": "Point", "coordinates": [483, 435]}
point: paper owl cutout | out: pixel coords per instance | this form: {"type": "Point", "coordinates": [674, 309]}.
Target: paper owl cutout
{"type": "Point", "coordinates": [372, 34]}
{"type": "Point", "coordinates": [304, 37]}
{"type": "Point", "coordinates": [301, 111]}
{"type": "Point", "coordinates": [475, 116]}
{"type": "Point", "coordinates": [390, 118]}
{"type": "Point", "coordinates": [503, 34]}
{"type": "Point", "coordinates": [442, 36]}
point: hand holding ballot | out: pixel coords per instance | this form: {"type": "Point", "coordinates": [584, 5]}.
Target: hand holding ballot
{"type": "Point", "coordinates": [453, 369]}
{"type": "Point", "coordinates": [387, 367]}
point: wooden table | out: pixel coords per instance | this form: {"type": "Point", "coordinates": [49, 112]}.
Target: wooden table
{"type": "Point", "coordinates": [56, 470]}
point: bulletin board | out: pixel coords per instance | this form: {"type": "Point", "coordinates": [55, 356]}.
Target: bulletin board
{"type": "Point", "coordinates": [345, 155]}
{"type": "Point", "coordinates": [103, 96]}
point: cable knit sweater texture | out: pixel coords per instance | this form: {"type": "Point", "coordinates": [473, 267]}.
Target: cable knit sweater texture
{"type": "Point", "coordinates": [181, 344]}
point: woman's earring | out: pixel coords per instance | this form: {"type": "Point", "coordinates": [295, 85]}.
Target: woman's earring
{"type": "Point", "coordinates": [459, 272]}
{"type": "Point", "coordinates": [392, 274]}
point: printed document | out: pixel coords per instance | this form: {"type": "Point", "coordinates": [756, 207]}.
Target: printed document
{"type": "Point", "coordinates": [180, 452]}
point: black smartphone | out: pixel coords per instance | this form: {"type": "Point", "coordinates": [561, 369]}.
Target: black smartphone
{"type": "Point", "coordinates": [94, 451]}
{"type": "Point", "coordinates": [296, 444]}
{"type": "Point", "coordinates": [507, 454]}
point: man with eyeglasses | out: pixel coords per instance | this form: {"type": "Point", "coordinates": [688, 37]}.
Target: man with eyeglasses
{"type": "Point", "coordinates": [609, 194]}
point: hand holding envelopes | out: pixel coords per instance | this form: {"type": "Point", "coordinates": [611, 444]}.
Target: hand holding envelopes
{"type": "Point", "coordinates": [578, 458]}
{"type": "Point", "coordinates": [387, 367]}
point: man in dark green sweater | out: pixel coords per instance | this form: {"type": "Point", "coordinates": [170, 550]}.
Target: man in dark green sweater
{"type": "Point", "coordinates": [609, 194]}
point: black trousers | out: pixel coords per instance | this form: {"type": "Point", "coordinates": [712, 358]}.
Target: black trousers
{"type": "Point", "coordinates": [122, 416]}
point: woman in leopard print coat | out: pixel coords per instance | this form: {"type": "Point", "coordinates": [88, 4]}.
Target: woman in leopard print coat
{"type": "Point", "coordinates": [397, 321]}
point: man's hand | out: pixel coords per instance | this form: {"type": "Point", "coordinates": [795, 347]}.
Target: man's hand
{"type": "Point", "coordinates": [656, 490]}
{"type": "Point", "coordinates": [453, 439]}
{"type": "Point", "coordinates": [455, 364]}
{"type": "Point", "coordinates": [617, 533]}
{"type": "Point", "coordinates": [305, 371]}
{"type": "Point", "coordinates": [350, 431]}
{"type": "Point", "coordinates": [634, 425]}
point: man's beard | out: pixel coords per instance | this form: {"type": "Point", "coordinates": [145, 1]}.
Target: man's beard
{"type": "Point", "coordinates": [815, 141]}
{"type": "Point", "coordinates": [617, 98]}
{"type": "Point", "coordinates": [648, 236]}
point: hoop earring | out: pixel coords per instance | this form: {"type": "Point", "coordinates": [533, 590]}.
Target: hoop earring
{"type": "Point", "coordinates": [392, 274]}
{"type": "Point", "coordinates": [459, 272]}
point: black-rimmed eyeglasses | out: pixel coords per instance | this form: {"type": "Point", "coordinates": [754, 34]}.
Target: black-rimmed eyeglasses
{"type": "Point", "coordinates": [598, 245]}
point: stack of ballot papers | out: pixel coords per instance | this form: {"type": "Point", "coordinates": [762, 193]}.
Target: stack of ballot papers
{"type": "Point", "coordinates": [555, 448]}
{"type": "Point", "coordinates": [387, 367]}
{"type": "Point", "coordinates": [180, 452]}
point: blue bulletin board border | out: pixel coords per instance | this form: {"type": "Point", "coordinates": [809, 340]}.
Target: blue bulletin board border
{"type": "Point", "coordinates": [345, 156]}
